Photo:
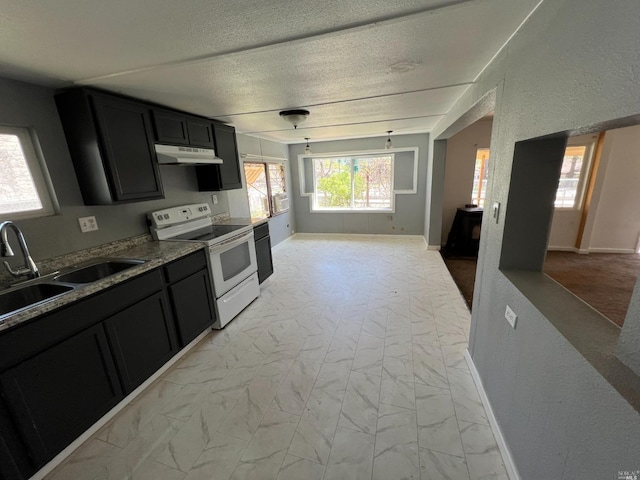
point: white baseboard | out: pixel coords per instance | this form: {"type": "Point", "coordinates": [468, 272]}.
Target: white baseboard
{"type": "Point", "coordinates": [509, 464]}
{"type": "Point", "coordinates": [62, 456]}
{"type": "Point", "coordinates": [557, 248]}
{"type": "Point", "coordinates": [611, 250]}
{"type": "Point", "coordinates": [433, 247]}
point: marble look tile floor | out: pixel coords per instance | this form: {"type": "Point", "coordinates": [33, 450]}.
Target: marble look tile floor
{"type": "Point", "coordinates": [350, 365]}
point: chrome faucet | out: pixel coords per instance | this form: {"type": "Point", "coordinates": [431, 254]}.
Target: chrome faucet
{"type": "Point", "coordinates": [30, 269]}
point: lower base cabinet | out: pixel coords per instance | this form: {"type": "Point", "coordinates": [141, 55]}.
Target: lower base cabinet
{"type": "Point", "coordinates": [263, 251]}
{"type": "Point", "coordinates": [142, 339]}
{"type": "Point", "coordinates": [61, 372]}
{"type": "Point", "coordinates": [59, 393]}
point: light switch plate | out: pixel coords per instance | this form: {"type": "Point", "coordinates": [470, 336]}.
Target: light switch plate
{"type": "Point", "coordinates": [511, 316]}
{"type": "Point", "coordinates": [214, 199]}
{"type": "Point", "coordinates": [88, 224]}
{"type": "Point", "coordinates": [495, 211]}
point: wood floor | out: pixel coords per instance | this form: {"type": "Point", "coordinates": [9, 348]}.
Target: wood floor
{"type": "Point", "coordinates": [603, 280]}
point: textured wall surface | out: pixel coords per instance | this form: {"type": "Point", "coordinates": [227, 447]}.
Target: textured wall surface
{"type": "Point", "coordinates": [408, 219]}
{"type": "Point", "coordinates": [572, 65]}
{"type": "Point", "coordinates": [31, 106]}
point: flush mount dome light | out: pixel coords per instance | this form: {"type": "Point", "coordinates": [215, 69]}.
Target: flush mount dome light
{"type": "Point", "coordinates": [295, 117]}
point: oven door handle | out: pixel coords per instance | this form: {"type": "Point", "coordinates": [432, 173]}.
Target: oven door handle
{"type": "Point", "coordinates": [230, 243]}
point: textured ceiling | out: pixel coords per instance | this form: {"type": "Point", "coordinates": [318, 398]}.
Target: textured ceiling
{"type": "Point", "coordinates": [361, 67]}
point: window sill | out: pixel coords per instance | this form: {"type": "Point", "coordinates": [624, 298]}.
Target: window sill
{"type": "Point", "coordinates": [590, 333]}
{"type": "Point", "coordinates": [351, 210]}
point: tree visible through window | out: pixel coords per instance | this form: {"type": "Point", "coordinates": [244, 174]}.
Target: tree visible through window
{"type": "Point", "coordinates": [23, 192]}
{"type": "Point", "coordinates": [266, 189]}
{"type": "Point", "coordinates": [357, 183]}
{"type": "Point", "coordinates": [480, 177]}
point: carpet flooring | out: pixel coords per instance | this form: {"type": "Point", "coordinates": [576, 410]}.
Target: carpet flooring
{"type": "Point", "coordinates": [603, 280]}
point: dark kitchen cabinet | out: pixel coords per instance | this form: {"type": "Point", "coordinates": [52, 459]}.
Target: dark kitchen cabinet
{"type": "Point", "coordinates": [191, 295]}
{"type": "Point", "coordinates": [142, 338]}
{"type": "Point", "coordinates": [15, 462]}
{"type": "Point", "coordinates": [263, 251]}
{"type": "Point", "coordinates": [226, 176]}
{"type": "Point", "coordinates": [175, 128]}
{"type": "Point", "coordinates": [57, 394]}
{"type": "Point", "coordinates": [111, 144]}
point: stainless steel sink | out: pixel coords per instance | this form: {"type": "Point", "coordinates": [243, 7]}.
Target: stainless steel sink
{"type": "Point", "coordinates": [16, 299]}
{"type": "Point", "coordinates": [96, 271]}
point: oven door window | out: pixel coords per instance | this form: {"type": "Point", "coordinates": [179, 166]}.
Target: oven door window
{"type": "Point", "coordinates": [234, 261]}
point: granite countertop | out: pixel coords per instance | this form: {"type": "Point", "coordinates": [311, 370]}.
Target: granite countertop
{"type": "Point", "coordinates": [154, 253]}
{"type": "Point", "coordinates": [241, 221]}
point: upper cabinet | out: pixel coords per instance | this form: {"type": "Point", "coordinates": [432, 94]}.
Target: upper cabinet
{"type": "Point", "coordinates": [175, 128]}
{"type": "Point", "coordinates": [226, 176]}
{"type": "Point", "coordinates": [112, 147]}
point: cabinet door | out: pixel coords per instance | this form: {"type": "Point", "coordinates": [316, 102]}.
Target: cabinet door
{"type": "Point", "coordinates": [142, 338]}
{"type": "Point", "coordinates": [128, 151]}
{"type": "Point", "coordinates": [170, 127]}
{"type": "Point", "coordinates": [263, 257]}
{"type": "Point", "coordinates": [192, 301]}
{"type": "Point", "coordinates": [226, 176]}
{"type": "Point", "coordinates": [200, 133]}
{"type": "Point", "coordinates": [59, 393]}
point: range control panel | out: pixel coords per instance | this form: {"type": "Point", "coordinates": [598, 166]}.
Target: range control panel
{"type": "Point", "coordinates": [175, 215]}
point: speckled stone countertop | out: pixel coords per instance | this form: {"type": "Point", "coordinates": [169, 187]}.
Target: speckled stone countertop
{"type": "Point", "coordinates": [241, 221]}
{"type": "Point", "coordinates": [154, 254]}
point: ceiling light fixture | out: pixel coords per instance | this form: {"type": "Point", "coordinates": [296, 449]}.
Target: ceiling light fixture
{"type": "Point", "coordinates": [388, 145]}
{"type": "Point", "coordinates": [307, 149]}
{"type": "Point", "coordinates": [295, 117]}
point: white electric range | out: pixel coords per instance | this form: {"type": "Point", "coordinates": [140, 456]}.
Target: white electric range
{"type": "Point", "coordinates": [232, 254]}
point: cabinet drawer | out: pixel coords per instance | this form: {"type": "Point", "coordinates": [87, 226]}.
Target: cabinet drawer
{"type": "Point", "coordinates": [261, 231]}
{"type": "Point", "coordinates": [185, 266]}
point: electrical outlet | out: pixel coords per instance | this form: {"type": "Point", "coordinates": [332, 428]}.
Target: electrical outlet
{"type": "Point", "coordinates": [88, 224]}
{"type": "Point", "coordinates": [214, 199]}
{"type": "Point", "coordinates": [511, 316]}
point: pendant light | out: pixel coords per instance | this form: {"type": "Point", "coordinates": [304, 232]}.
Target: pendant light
{"type": "Point", "coordinates": [388, 145]}
{"type": "Point", "coordinates": [295, 117]}
{"type": "Point", "coordinates": [307, 149]}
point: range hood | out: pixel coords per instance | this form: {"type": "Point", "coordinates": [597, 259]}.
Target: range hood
{"type": "Point", "coordinates": [175, 155]}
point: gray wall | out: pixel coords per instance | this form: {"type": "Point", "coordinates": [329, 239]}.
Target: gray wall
{"type": "Point", "coordinates": [573, 64]}
{"type": "Point", "coordinates": [33, 106]}
{"type": "Point", "coordinates": [408, 218]}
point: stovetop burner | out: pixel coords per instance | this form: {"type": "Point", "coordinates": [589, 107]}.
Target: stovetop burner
{"type": "Point", "coordinates": [209, 232]}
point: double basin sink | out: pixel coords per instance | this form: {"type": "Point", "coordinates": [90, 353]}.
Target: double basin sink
{"type": "Point", "coordinates": [40, 290]}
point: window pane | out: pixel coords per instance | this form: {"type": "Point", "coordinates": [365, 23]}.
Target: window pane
{"type": "Point", "coordinates": [279, 200]}
{"type": "Point", "coordinates": [569, 183]}
{"type": "Point", "coordinates": [480, 177]}
{"type": "Point", "coordinates": [372, 182]}
{"type": "Point", "coordinates": [333, 182]}
{"type": "Point", "coordinates": [18, 191]}
{"type": "Point", "coordinates": [255, 174]}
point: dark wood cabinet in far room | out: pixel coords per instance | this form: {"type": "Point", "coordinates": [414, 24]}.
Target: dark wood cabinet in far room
{"type": "Point", "coordinates": [226, 176]}
{"type": "Point", "coordinates": [263, 251]}
{"type": "Point", "coordinates": [112, 147]}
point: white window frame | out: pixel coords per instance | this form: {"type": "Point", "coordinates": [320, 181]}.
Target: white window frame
{"type": "Point", "coordinates": [266, 161]}
{"type": "Point", "coordinates": [584, 172]}
{"type": "Point", "coordinates": [363, 153]}
{"type": "Point", "coordinates": [39, 174]}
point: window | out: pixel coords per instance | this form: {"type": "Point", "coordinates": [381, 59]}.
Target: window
{"type": "Point", "coordinates": [571, 183]}
{"type": "Point", "coordinates": [266, 189]}
{"type": "Point", "coordinates": [23, 189]}
{"type": "Point", "coordinates": [480, 177]}
{"type": "Point", "coordinates": [353, 183]}
{"type": "Point", "coordinates": [570, 186]}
